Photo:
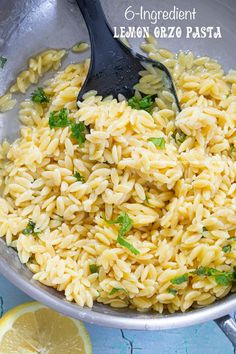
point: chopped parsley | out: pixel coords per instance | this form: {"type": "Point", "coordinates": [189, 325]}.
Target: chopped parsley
{"type": "Point", "coordinates": [179, 280]}
{"type": "Point", "coordinates": [39, 96]}
{"type": "Point", "coordinates": [93, 268]}
{"type": "Point", "coordinates": [115, 290]}
{"type": "Point", "coordinates": [124, 221]}
{"type": "Point", "coordinates": [158, 142]}
{"type": "Point", "coordinates": [172, 291]}
{"type": "Point", "coordinates": [78, 132]}
{"type": "Point", "coordinates": [146, 199]}
{"type": "Point", "coordinates": [232, 239]}
{"type": "Point", "coordinates": [133, 102]}
{"type": "Point", "coordinates": [221, 277]}
{"type": "Point", "coordinates": [79, 178]}
{"type": "Point", "coordinates": [30, 228]}
{"type": "Point", "coordinates": [231, 149]}
{"type": "Point", "coordinates": [145, 103]}
{"type": "Point", "coordinates": [179, 136]}
{"type": "Point", "coordinates": [206, 271]}
{"type": "Point", "coordinates": [128, 245]}
{"type": "Point", "coordinates": [59, 119]}
{"type": "Point", "coordinates": [2, 62]}
{"type": "Point", "coordinates": [227, 249]}
{"type": "Point", "coordinates": [125, 226]}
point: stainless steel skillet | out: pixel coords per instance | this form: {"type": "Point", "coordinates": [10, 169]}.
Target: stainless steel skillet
{"type": "Point", "coordinates": [33, 25]}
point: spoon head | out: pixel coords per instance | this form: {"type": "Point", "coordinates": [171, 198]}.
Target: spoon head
{"type": "Point", "coordinates": [121, 74]}
{"type": "Point", "coordinates": [113, 78]}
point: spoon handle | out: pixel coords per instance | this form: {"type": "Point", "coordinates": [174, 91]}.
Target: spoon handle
{"type": "Point", "coordinates": [104, 49]}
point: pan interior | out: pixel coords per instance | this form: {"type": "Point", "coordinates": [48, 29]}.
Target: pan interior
{"type": "Point", "coordinates": [42, 24]}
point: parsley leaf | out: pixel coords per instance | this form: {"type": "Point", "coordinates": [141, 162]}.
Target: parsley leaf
{"type": "Point", "coordinates": [227, 249]}
{"type": "Point", "coordinates": [146, 199]}
{"type": "Point", "coordinates": [79, 178]}
{"type": "Point", "coordinates": [179, 136]}
{"type": "Point", "coordinates": [158, 142]}
{"type": "Point", "coordinates": [78, 131]}
{"type": "Point", "coordinates": [93, 268]}
{"type": "Point", "coordinates": [39, 96]}
{"type": "Point", "coordinates": [30, 228]}
{"type": "Point", "coordinates": [221, 277]}
{"type": "Point", "coordinates": [231, 149]}
{"type": "Point", "coordinates": [179, 280]}
{"type": "Point", "coordinates": [133, 102]}
{"type": "Point", "coordinates": [145, 103]}
{"type": "Point", "coordinates": [115, 290]}
{"type": "Point", "coordinates": [128, 245]}
{"type": "Point", "coordinates": [2, 62]}
{"type": "Point", "coordinates": [125, 225]}
{"type": "Point", "coordinates": [232, 239]}
{"type": "Point", "coordinates": [200, 271]}
{"type": "Point", "coordinates": [172, 291]}
{"type": "Point", "coordinates": [124, 221]}
{"type": "Point", "coordinates": [59, 119]}
{"type": "Point", "coordinates": [206, 271]}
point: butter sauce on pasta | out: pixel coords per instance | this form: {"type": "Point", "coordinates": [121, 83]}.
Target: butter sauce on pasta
{"type": "Point", "coordinates": [171, 176]}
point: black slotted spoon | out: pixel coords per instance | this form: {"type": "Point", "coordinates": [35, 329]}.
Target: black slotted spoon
{"type": "Point", "coordinates": [114, 68]}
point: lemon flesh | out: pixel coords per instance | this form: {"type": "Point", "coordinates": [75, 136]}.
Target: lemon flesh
{"type": "Point", "coordinates": [34, 328]}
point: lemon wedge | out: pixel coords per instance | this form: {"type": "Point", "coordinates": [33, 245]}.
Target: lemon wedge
{"type": "Point", "coordinates": [33, 328]}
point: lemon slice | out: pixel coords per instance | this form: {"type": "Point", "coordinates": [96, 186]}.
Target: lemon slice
{"type": "Point", "coordinates": [34, 328]}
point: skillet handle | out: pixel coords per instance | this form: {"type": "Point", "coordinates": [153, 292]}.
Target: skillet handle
{"type": "Point", "coordinates": [228, 326]}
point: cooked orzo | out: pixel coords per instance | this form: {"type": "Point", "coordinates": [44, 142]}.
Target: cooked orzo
{"type": "Point", "coordinates": [127, 203]}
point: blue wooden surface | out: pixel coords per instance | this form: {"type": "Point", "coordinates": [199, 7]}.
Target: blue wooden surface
{"type": "Point", "coordinates": [202, 339]}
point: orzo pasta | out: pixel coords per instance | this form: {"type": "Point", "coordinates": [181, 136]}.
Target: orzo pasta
{"type": "Point", "coordinates": [127, 206]}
